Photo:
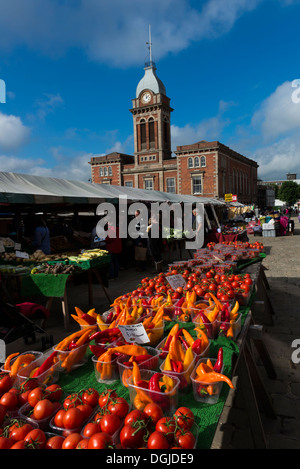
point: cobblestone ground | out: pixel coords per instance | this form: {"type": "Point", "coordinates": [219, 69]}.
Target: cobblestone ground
{"type": "Point", "coordinates": [283, 274]}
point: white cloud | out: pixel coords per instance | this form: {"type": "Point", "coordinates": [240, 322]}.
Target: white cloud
{"type": "Point", "coordinates": [13, 133]}
{"type": "Point", "coordinates": [115, 32]}
{"type": "Point", "coordinates": [279, 114]}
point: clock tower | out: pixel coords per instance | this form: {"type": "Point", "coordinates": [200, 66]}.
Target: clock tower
{"type": "Point", "coordinates": [151, 113]}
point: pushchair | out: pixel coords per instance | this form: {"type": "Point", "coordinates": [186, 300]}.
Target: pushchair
{"type": "Point", "coordinates": [17, 321]}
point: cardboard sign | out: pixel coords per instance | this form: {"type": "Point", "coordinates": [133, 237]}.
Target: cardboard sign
{"type": "Point", "coordinates": [22, 255]}
{"type": "Point", "coordinates": [176, 281]}
{"type": "Point", "coordinates": [135, 333]}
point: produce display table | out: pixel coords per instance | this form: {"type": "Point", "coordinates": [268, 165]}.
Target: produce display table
{"type": "Point", "coordinates": [221, 237]}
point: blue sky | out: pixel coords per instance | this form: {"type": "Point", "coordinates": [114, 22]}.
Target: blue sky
{"type": "Point", "coordinates": [71, 67]}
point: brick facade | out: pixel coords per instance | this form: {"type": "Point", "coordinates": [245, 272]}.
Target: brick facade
{"type": "Point", "coordinates": [207, 169]}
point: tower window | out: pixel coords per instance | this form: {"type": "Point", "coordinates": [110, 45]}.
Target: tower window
{"type": "Point", "coordinates": [151, 133]}
{"type": "Point", "coordinates": [143, 135]}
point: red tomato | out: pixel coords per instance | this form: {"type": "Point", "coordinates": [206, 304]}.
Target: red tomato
{"type": "Point", "coordinates": [54, 442]}
{"type": "Point", "coordinates": [110, 424]}
{"type": "Point", "coordinates": [2, 413]}
{"type": "Point", "coordinates": [135, 415]}
{"type": "Point", "coordinates": [186, 440]}
{"type": "Point", "coordinates": [35, 396]}
{"type": "Point", "coordinates": [100, 440]}
{"type": "Point", "coordinates": [6, 443]}
{"type": "Point", "coordinates": [9, 400]}
{"type": "Point", "coordinates": [71, 401]}
{"type": "Point", "coordinates": [19, 430]}
{"type": "Point", "coordinates": [154, 412]}
{"type": "Point", "coordinates": [90, 429]}
{"type": "Point", "coordinates": [119, 407]}
{"type": "Point", "coordinates": [157, 441]}
{"type": "Point", "coordinates": [167, 426]}
{"type": "Point", "coordinates": [6, 382]}
{"type": "Point", "coordinates": [90, 396]}
{"type": "Point", "coordinates": [72, 419]}
{"type": "Point", "coordinates": [83, 444]}
{"type": "Point", "coordinates": [37, 438]}
{"type": "Point", "coordinates": [23, 398]}
{"type": "Point", "coordinates": [184, 417]}
{"type": "Point", "coordinates": [71, 441]}
{"type": "Point", "coordinates": [19, 445]}
{"type": "Point", "coordinates": [58, 419]}
{"type": "Point", "coordinates": [43, 409]}
{"type": "Point", "coordinates": [86, 410]}
{"type": "Point", "coordinates": [131, 437]}
{"type": "Point", "coordinates": [54, 392]}
{"type": "Point", "coordinates": [106, 396]}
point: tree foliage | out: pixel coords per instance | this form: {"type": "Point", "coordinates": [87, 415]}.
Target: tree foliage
{"type": "Point", "coordinates": [289, 192]}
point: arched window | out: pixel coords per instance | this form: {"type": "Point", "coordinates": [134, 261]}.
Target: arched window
{"type": "Point", "coordinates": [105, 171]}
{"type": "Point", "coordinates": [190, 163]}
{"type": "Point", "coordinates": [203, 161]}
{"type": "Point", "coordinates": [101, 171]}
{"type": "Point", "coordinates": [196, 162]}
{"type": "Point", "coordinates": [151, 133]}
{"type": "Point", "coordinates": [143, 134]}
{"type": "Point", "coordinates": [109, 171]}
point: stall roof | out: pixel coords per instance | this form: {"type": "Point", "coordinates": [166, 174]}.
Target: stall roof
{"type": "Point", "coordinates": [28, 189]}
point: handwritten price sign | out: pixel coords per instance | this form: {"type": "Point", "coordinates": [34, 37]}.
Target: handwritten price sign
{"type": "Point", "coordinates": [176, 281]}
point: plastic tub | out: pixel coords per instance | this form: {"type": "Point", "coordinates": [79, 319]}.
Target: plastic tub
{"type": "Point", "coordinates": [167, 400]}
{"type": "Point", "coordinates": [203, 392]}
{"type": "Point", "coordinates": [76, 357]}
{"type": "Point", "coordinates": [29, 367]}
{"type": "Point", "coordinates": [49, 376]}
{"type": "Point", "coordinates": [235, 328]}
{"type": "Point", "coordinates": [183, 377]}
{"type": "Point", "coordinates": [106, 372]}
{"type": "Point", "coordinates": [149, 364]}
{"type": "Point", "coordinates": [43, 424]}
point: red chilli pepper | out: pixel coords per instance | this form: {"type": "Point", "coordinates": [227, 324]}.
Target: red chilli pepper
{"type": "Point", "coordinates": [97, 350]}
{"type": "Point", "coordinates": [46, 364]}
{"type": "Point", "coordinates": [219, 363]}
{"type": "Point", "coordinates": [197, 346]}
{"type": "Point", "coordinates": [207, 323]}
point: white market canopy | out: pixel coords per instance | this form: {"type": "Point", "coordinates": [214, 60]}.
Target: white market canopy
{"type": "Point", "coordinates": [28, 189]}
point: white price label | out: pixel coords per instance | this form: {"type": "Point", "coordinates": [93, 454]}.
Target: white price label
{"type": "Point", "coordinates": [176, 281]}
{"type": "Point", "coordinates": [22, 255]}
{"type": "Point", "coordinates": [134, 333]}
{"type": "Point", "coordinates": [18, 246]}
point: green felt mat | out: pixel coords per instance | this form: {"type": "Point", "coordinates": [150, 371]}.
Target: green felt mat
{"type": "Point", "coordinates": [206, 416]}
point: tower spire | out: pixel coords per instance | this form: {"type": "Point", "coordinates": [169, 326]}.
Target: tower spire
{"type": "Point", "coordinates": [150, 47]}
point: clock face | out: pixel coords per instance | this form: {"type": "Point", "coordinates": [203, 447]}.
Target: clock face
{"type": "Point", "coordinates": [146, 98]}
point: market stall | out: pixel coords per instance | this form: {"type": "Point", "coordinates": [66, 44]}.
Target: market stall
{"type": "Point", "coordinates": [133, 346]}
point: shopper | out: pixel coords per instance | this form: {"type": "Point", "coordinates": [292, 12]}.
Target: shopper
{"type": "Point", "coordinates": [41, 239]}
{"type": "Point", "coordinates": [114, 247]}
{"type": "Point", "coordinates": [140, 242]}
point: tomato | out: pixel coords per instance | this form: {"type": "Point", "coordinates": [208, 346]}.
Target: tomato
{"type": "Point", "coordinates": [119, 407]}
{"type": "Point", "coordinates": [35, 396]}
{"type": "Point", "coordinates": [157, 441]}
{"type": "Point", "coordinates": [90, 396]}
{"type": "Point", "coordinates": [6, 443]}
{"type": "Point", "coordinates": [2, 413]}
{"type": "Point", "coordinates": [106, 396]}
{"type": "Point", "coordinates": [29, 384]}
{"type": "Point", "coordinates": [135, 415]}
{"type": "Point", "coordinates": [58, 419]}
{"type": "Point", "coordinates": [19, 430]}
{"type": "Point", "coordinates": [19, 445]}
{"type": "Point", "coordinates": [167, 426]}
{"type": "Point", "coordinates": [71, 441]}
{"type": "Point", "coordinates": [9, 400]}
{"type": "Point", "coordinates": [73, 418]}
{"type": "Point", "coordinates": [54, 392]}
{"type": "Point", "coordinates": [184, 417]}
{"type": "Point", "coordinates": [154, 412]}
{"type": "Point", "coordinates": [132, 437]}
{"type": "Point", "coordinates": [6, 383]}
{"type": "Point", "coordinates": [83, 444]}
{"type": "Point", "coordinates": [54, 442]}
{"type": "Point", "coordinates": [43, 409]}
{"type": "Point", "coordinates": [86, 410]}
{"type": "Point", "coordinates": [90, 429]}
{"type": "Point", "coordinates": [186, 440]}
{"type": "Point", "coordinates": [23, 398]}
{"type": "Point", "coordinates": [37, 438]}
{"type": "Point", "coordinates": [110, 424]}
{"type": "Point", "coordinates": [72, 401]}
{"type": "Point", "coordinates": [100, 440]}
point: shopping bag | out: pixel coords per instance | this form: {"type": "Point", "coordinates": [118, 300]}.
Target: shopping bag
{"type": "Point", "coordinates": [140, 253]}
